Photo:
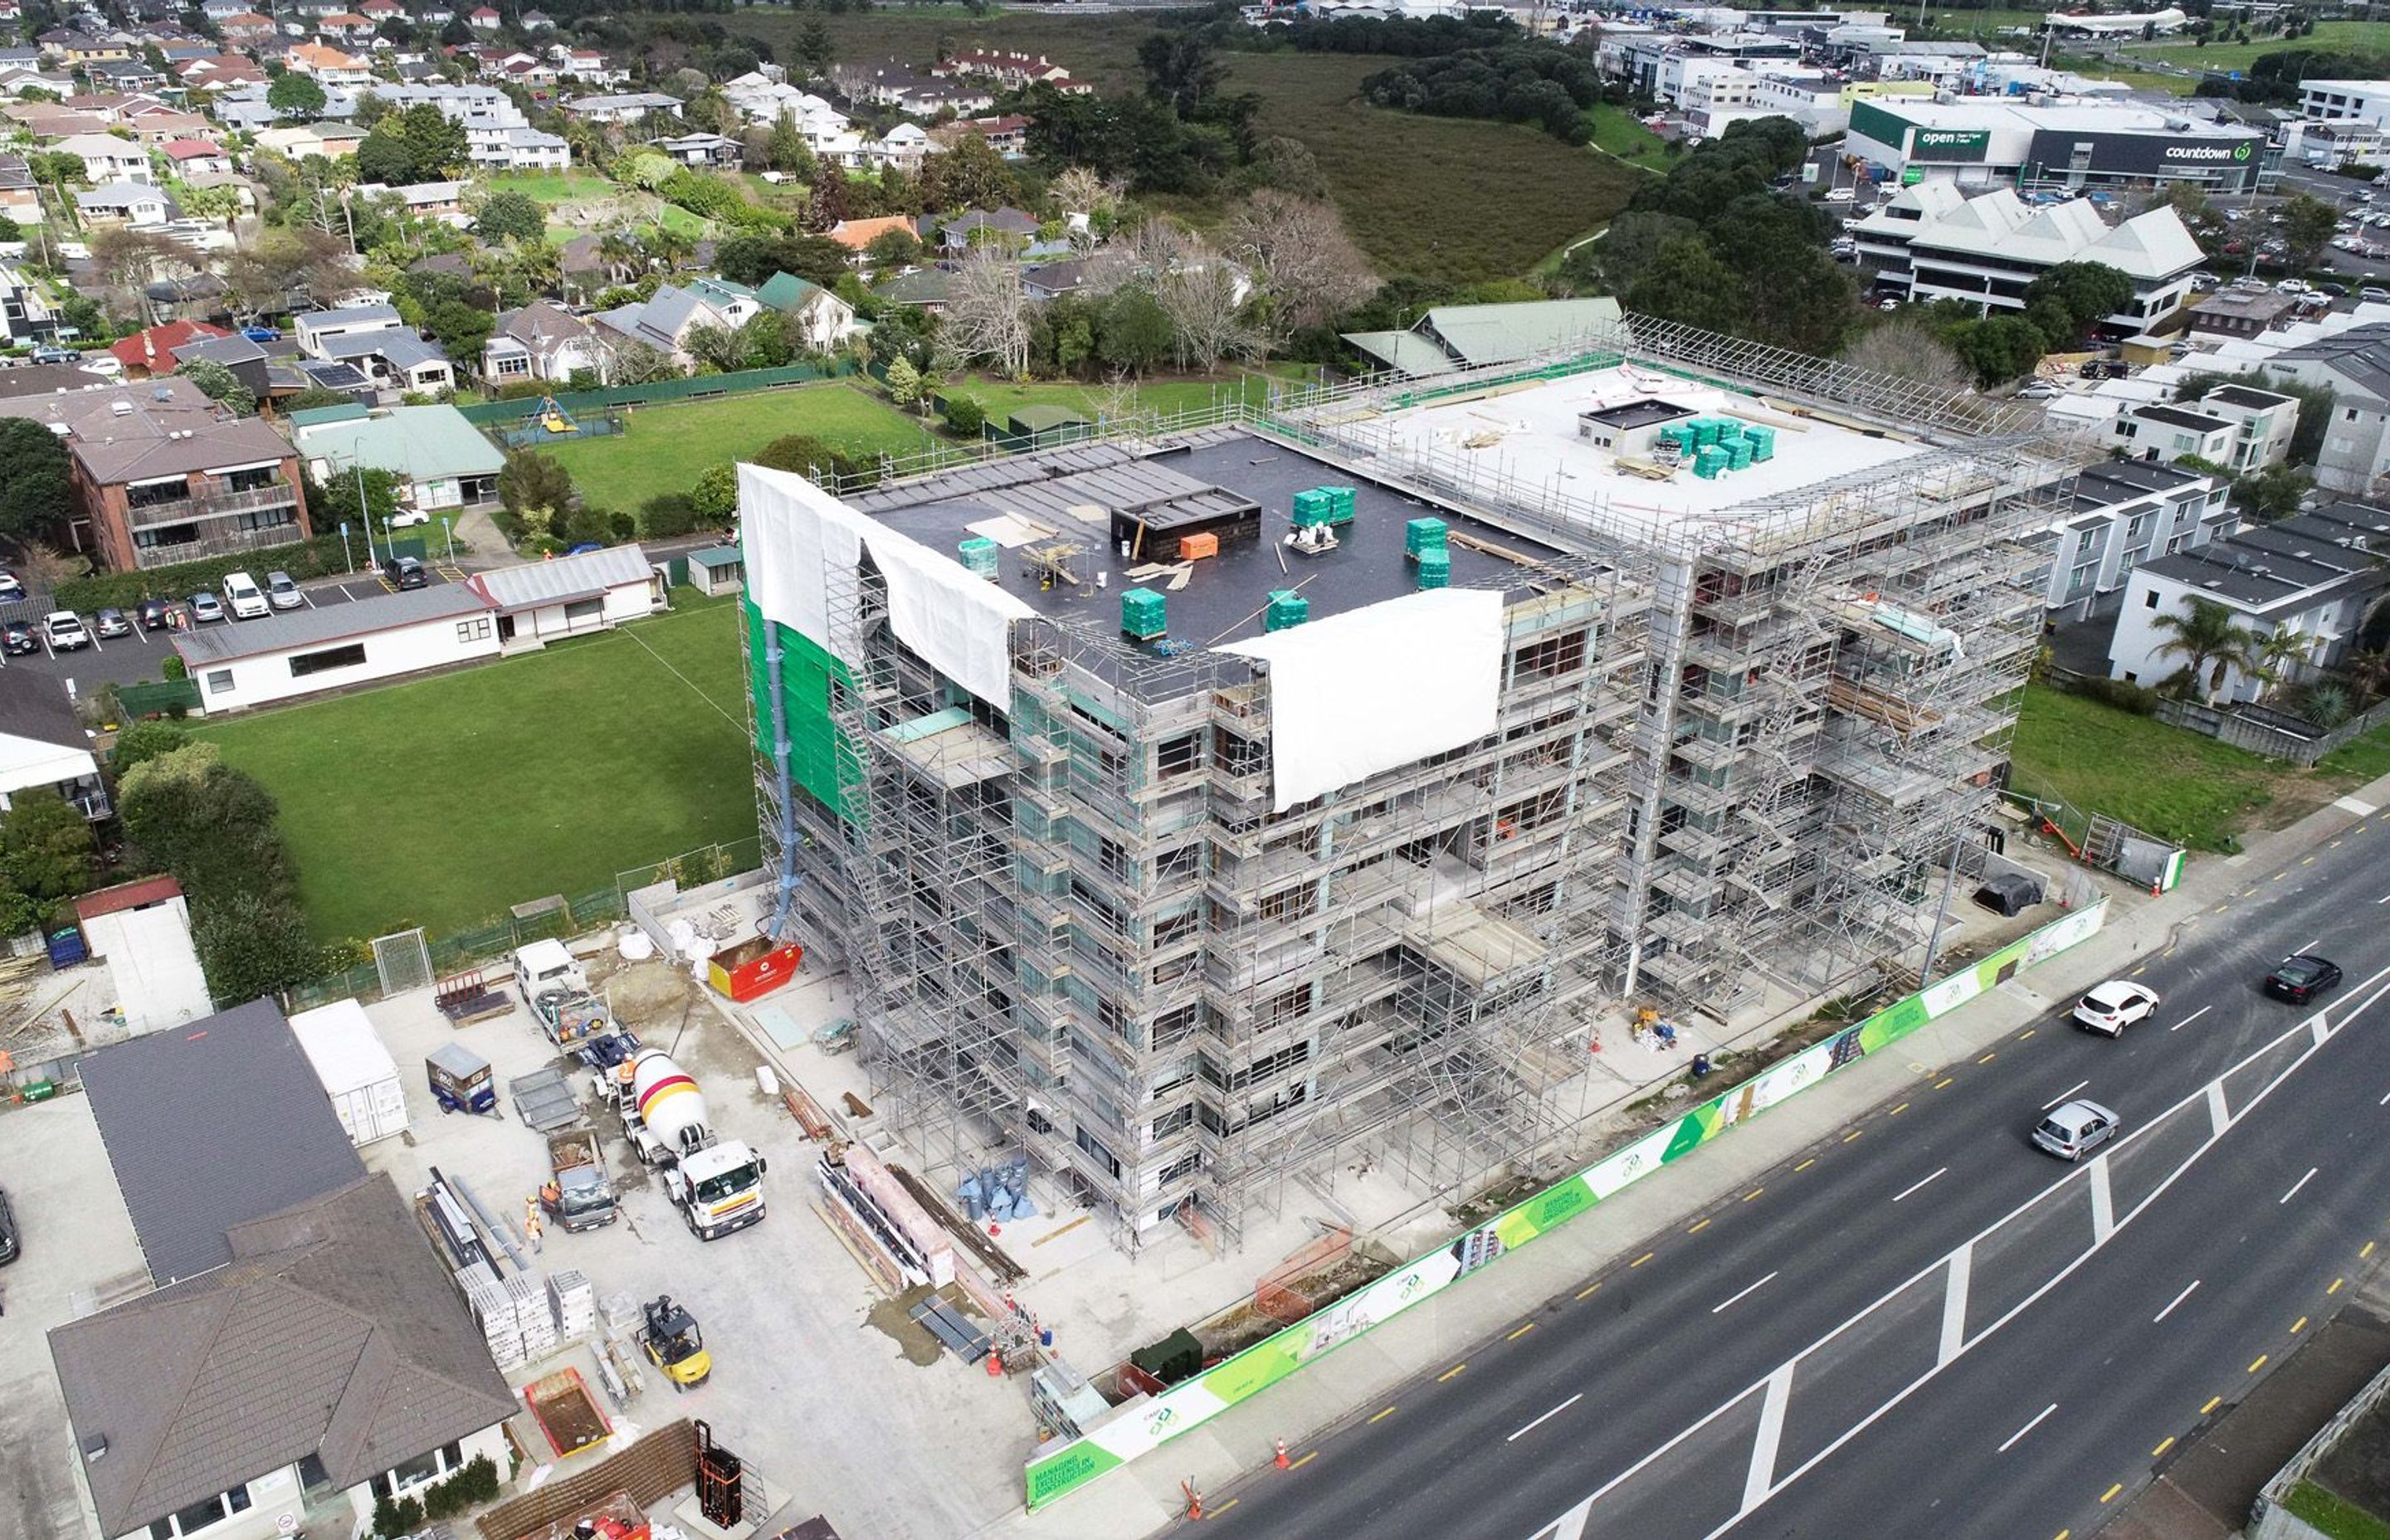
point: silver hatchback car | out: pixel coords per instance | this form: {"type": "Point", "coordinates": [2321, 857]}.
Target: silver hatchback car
{"type": "Point", "coordinates": [2075, 1130]}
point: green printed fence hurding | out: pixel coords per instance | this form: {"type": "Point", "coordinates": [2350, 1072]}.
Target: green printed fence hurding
{"type": "Point", "coordinates": [1197, 1400]}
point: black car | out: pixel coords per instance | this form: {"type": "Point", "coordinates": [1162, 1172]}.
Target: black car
{"type": "Point", "coordinates": [17, 638]}
{"type": "Point", "coordinates": [402, 571]}
{"type": "Point", "coordinates": [153, 615]}
{"type": "Point", "coordinates": [2301, 978]}
{"type": "Point", "coordinates": [8, 1246]}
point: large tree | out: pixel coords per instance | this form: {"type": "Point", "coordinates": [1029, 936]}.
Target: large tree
{"type": "Point", "coordinates": [45, 845]}
{"type": "Point", "coordinates": [1301, 259]}
{"type": "Point", "coordinates": [2070, 299]}
{"type": "Point", "coordinates": [531, 480]}
{"type": "Point", "coordinates": [986, 315]}
{"type": "Point", "coordinates": [2210, 643]}
{"type": "Point", "coordinates": [294, 96]}
{"type": "Point", "coordinates": [36, 478]}
{"type": "Point", "coordinates": [1904, 350]}
{"type": "Point", "coordinates": [252, 946]}
{"type": "Point", "coordinates": [219, 384]}
{"type": "Point", "coordinates": [509, 215]}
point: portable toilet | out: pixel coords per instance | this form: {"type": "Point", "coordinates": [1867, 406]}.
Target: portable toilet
{"type": "Point", "coordinates": [1287, 609]}
{"type": "Point", "coordinates": [1422, 535]}
{"type": "Point", "coordinates": [1434, 569]}
{"type": "Point", "coordinates": [1142, 614]}
{"type": "Point", "coordinates": [978, 556]}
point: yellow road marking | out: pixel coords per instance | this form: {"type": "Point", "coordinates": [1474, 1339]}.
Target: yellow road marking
{"type": "Point", "coordinates": [2139, 972]}
{"type": "Point", "coordinates": [1989, 1057]}
{"type": "Point", "coordinates": [2367, 1252]}
{"type": "Point", "coordinates": [1853, 1134]}
{"type": "Point", "coordinates": [2221, 907]}
{"type": "Point", "coordinates": [2260, 1363]}
{"type": "Point", "coordinates": [1458, 1367]}
{"type": "Point", "coordinates": [1588, 1290]}
{"type": "Point", "coordinates": [1945, 1081]}
{"type": "Point", "coordinates": [1390, 1411]}
{"type": "Point", "coordinates": [1225, 1506]}
{"type": "Point", "coordinates": [2278, 876]}
{"type": "Point", "coordinates": [2298, 1325]}
{"type": "Point", "coordinates": [1897, 1111]}
{"type": "Point", "coordinates": [2062, 1535]}
{"type": "Point", "coordinates": [1753, 1193]}
{"type": "Point", "coordinates": [1699, 1225]}
{"type": "Point", "coordinates": [1520, 1332]}
{"type": "Point", "coordinates": [2213, 1402]}
{"type": "Point", "coordinates": [2308, 862]}
{"type": "Point", "coordinates": [1306, 1460]}
{"type": "Point", "coordinates": [2336, 1286]}
{"type": "Point", "coordinates": [1642, 1260]}
{"type": "Point", "coordinates": [2161, 1449]}
{"type": "Point", "coordinates": [2335, 844]}
{"type": "Point", "coordinates": [1807, 1164]}
{"type": "Point", "coordinates": [2109, 1496]}
{"type": "Point", "coordinates": [2027, 1032]}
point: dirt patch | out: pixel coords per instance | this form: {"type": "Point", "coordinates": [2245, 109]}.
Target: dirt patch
{"type": "Point", "coordinates": [647, 995]}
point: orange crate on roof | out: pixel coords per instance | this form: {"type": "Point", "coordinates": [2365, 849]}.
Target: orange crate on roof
{"type": "Point", "coordinates": [1192, 546]}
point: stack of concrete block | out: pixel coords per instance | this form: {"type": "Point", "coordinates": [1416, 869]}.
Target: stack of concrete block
{"type": "Point", "coordinates": [573, 1305]}
{"type": "Point", "coordinates": [495, 1308]}
{"type": "Point", "coordinates": [532, 1317]}
{"type": "Point", "coordinates": [623, 1314]}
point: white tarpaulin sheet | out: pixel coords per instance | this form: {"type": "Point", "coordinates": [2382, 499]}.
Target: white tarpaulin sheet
{"type": "Point", "coordinates": [155, 968]}
{"type": "Point", "coordinates": [1377, 687]}
{"type": "Point", "coordinates": [795, 535]}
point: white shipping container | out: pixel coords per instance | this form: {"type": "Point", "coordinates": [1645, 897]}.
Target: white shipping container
{"type": "Point", "coordinates": [356, 1070]}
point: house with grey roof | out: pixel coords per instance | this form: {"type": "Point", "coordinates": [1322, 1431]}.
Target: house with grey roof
{"type": "Point", "coordinates": [43, 748]}
{"type": "Point", "coordinates": [539, 601]}
{"type": "Point", "coordinates": [542, 341]}
{"type": "Point", "coordinates": [623, 106]}
{"type": "Point", "coordinates": [136, 204]}
{"type": "Point", "coordinates": [440, 459]}
{"type": "Point", "coordinates": [2355, 365]}
{"type": "Point", "coordinates": [326, 1362]}
{"type": "Point", "coordinates": [2319, 577]}
{"type": "Point", "coordinates": [397, 358]}
{"type": "Point", "coordinates": [665, 320]}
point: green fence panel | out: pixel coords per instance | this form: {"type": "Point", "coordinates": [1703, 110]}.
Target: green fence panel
{"type": "Point", "coordinates": [653, 392]}
{"type": "Point", "coordinates": [140, 700]}
{"type": "Point", "coordinates": [1195, 1402]}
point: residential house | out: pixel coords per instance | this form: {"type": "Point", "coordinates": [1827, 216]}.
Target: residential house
{"type": "Point", "coordinates": [81, 49]}
{"type": "Point", "coordinates": [665, 320]}
{"type": "Point", "coordinates": [20, 199]}
{"type": "Point", "coordinates": [245, 358]}
{"type": "Point", "coordinates": [379, 11]}
{"type": "Point", "coordinates": [2355, 364]}
{"type": "Point", "coordinates": [47, 380]}
{"type": "Point", "coordinates": [537, 602]}
{"type": "Point", "coordinates": [302, 1352]}
{"type": "Point", "coordinates": [2263, 422]}
{"type": "Point", "coordinates": [2239, 311]}
{"type": "Point", "coordinates": [542, 341]}
{"type": "Point", "coordinates": [329, 65]}
{"type": "Point", "coordinates": [893, 83]}
{"type": "Point", "coordinates": [588, 66]}
{"type": "Point", "coordinates": [481, 18]}
{"type": "Point", "coordinates": [856, 235]}
{"type": "Point", "coordinates": [823, 320]}
{"type": "Point", "coordinates": [1007, 229]}
{"type": "Point", "coordinates": [922, 288]}
{"type": "Point", "coordinates": [297, 141]}
{"type": "Point", "coordinates": [19, 80]}
{"type": "Point", "coordinates": [247, 30]}
{"type": "Point", "coordinates": [346, 28]}
{"type": "Point", "coordinates": [44, 747]}
{"type": "Point", "coordinates": [2125, 513]}
{"type": "Point", "coordinates": [763, 98]}
{"type": "Point", "coordinates": [2167, 433]}
{"type": "Point", "coordinates": [521, 150]}
{"type": "Point", "coordinates": [1007, 136]}
{"type": "Point", "coordinates": [1013, 72]}
{"type": "Point", "coordinates": [123, 74]}
{"type": "Point", "coordinates": [196, 157]}
{"type": "Point", "coordinates": [1052, 280]}
{"type": "Point", "coordinates": [440, 460]}
{"type": "Point", "coordinates": [106, 158]}
{"type": "Point", "coordinates": [162, 475]}
{"type": "Point", "coordinates": [218, 72]}
{"type": "Point", "coordinates": [443, 201]}
{"type": "Point", "coordinates": [155, 127]}
{"type": "Point", "coordinates": [2316, 578]}
{"type": "Point", "coordinates": [904, 147]}
{"type": "Point", "coordinates": [712, 151]}
{"type": "Point", "coordinates": [152, 351]}
{"type": "Point", "coordinates": [537, 21]}
{"type": "Point", "coordinates": [625, 107]}
{"type": "Point", "coordinates": [372, 338]}
{"type": "Point", "coordinates": [136, 204]}
{"type": "Point", "coordinates": [25, 316]}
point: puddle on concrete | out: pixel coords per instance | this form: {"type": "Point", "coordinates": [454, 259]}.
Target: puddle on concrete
{"type": "Point", "coordinates": [892, 1318]}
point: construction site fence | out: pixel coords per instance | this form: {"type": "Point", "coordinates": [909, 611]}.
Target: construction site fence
{"type": "Point", "coordinates": [1195, 1402]}
{"type": "Point", "coordinates": [559, 917]}
{"type": "Point", "coordinates": [649, 1470]}
{"type": "Point", "coordinates": [1279, 1294]}
{"type": "Point", "coordinates": [654, 393]}
{"type": "Point", "coordinates": [2276, 735]}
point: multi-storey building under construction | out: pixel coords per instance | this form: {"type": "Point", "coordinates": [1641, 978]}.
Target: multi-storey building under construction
{"type": "Point", "coordinates": [1193, 803]}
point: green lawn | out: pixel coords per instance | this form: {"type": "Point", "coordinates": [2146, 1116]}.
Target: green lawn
{"type": "Point", "coordinates": [1623, 134]}
{"type": "Point", "coordinates": [2366, 37]}
{"type": "Point", "coordinates": [2175, 784]}
{"type": "Point", "coordinates": [2333, 1514]}
{"type": "Point", "coordinates": [2365, 760]}
{"type": "Point", "coordinates": [2139, 80]}
{"type": "Point", "coordinates": [667, 447]}
{"type": "Point", "coordinates": [1168, 397]}
{"type": "Point", "coordinates": [443, 802]}
{"type": "Point", "coordinates": [555, 186]}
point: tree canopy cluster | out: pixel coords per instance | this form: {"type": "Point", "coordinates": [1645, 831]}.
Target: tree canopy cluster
{"type": "Point", "coordinates": [1519, 83]}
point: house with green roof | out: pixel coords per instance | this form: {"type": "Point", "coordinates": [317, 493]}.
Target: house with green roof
{"type": "Point", "coordinates": [1451, 338]}
{"type": "Point", "coordinates": [440, 459]}
{"type": "Point", "coordinates": [823, 318]}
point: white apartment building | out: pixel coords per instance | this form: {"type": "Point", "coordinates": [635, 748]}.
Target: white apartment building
{"type": "Point", "coordinates": [2127, 512]}
{"type": "Point", "coordinates": [1987, 251]}
{"type": "Point", "coordinates": [2366, 101]}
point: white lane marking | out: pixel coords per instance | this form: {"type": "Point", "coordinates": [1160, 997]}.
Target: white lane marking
{"type": "Point", "coordinates": [2189, 1019]}
{"type": "Point", "coordinates": [1913, 1187]}
{"type": "Point", "coordinates": [2310, 946]}
{"type": "Point", "coordinates": [2384, 899]}
{"type": "Point", "coordinates": [308, 596]}
{"type": "Point", "coordinates": [1954, 1303]}
{"type": "Point", "coordinates": [2063, 1095]}
{"type": "Point", "coordinates": [2296, 1187]}
{"type": "Point", "coordinates": [2384, 1101]}
{"type": "Point", "coordinates": [2103, 1201]}
{"type": "Point", "coordinates": [1548, 1416]}
{"type": "Point", "coordinates": [2350, 804]}
{"type": "Point", "coordinates": [1754, 1288]}
{"type": "Point", "coordinates": [2027, 1428]}
{"type": "Point", "coordinates": [2219, 1117]}
{"type": "Point", "coordinates": [2177, 1299]}
{"type": "Point", "coordinates": [1761, 1481]}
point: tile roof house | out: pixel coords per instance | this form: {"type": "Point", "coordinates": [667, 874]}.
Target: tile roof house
{"type": "Point", "coordinates": [856, 234]}
{"type": "Point", "coordinates": [196, 157]}
{"type": "Point", "coordinates": [329, 66]}
{"type": "Point", "coordinates": [823, 318]}
{"type": "Point", "coordinates": [152, 351]}
{"type": "Point", "coordinates": [162, 475]}
{"type": "Point", "coordinates": [542, 341]}
{"type": "Point", "coordinates": [666, 319]}
{"type": "Point", "coordinates": [43, 745]}
{"type": "Point", "coordinates": [327, 1362]}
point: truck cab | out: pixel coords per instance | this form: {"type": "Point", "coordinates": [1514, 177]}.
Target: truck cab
{"type": "Point", "coordinates": [546, 965]}
{"type": "Point", "coordinates": [719, 1189]}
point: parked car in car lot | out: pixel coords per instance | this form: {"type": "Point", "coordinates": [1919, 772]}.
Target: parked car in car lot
{"type": "Point", "coordinates": [110, 623]}
{"type": "Point", "coordinates": [17, 638]}
{"type": "Point", "coordinates": [2374, 293]}
{"type": "Point", "coordinates": [153, 615]}
{"type": "Point", "coordinates": [408, 518]}
{"type": "Point", "coordinates": [206, 607]}
{"type": "Point", "coordinates": [281, 593]}
{"type": "Point", "coordinates": [243, 596]}
{"type": "Point", "coordinates": [65, 630]}
{"type": "Point", "coordinates": [11, 590]}
{"type": "Point", "coordinates": [402, 571]}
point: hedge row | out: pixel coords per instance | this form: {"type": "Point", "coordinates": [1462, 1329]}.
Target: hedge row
{"type": "Point", "coordinates": [321, 557]}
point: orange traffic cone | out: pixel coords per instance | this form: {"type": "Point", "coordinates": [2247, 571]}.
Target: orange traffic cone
{"type": "Point", "coordinates": [994, 1365]}
{"type": "Point", "coordinates": [1282, 1462]}
{"type": "Point", "coordinates": [1194, 1500]}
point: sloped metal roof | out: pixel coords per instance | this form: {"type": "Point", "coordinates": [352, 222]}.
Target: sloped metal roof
{"type": "Point", "coordinates": [537, 583]}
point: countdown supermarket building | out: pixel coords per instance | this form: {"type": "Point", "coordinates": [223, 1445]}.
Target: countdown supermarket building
{"type": "Point", "coordinates": [1984, 143]}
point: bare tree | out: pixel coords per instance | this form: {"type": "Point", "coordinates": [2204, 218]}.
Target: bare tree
{"type": "Point", "coordinates": [632, 362]}
{"type": "Point", "coordinates": [1202, 295]}
{"type": "Point", "coordinates": [987, 312]}
{"type": "Point", "coordinates": [1904, 350]}
{"type": "Point", "coordinates": [1305, 264]}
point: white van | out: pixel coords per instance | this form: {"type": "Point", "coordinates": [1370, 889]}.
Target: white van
{"type": "Point", "coordinates": [243, 596]}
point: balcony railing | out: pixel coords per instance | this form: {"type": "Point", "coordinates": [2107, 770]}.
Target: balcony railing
{"type": "Point", "coordinates": [212, 502]}
{"type": "Point", "coordinates": [221, 543]}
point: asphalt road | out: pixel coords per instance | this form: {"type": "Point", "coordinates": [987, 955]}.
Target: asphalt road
{"type": "Point", "coordinates": [1515, 1432]}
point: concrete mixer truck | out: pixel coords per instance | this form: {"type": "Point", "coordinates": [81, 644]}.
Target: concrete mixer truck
{"type": "Point", "coordinates": [716, 1183]}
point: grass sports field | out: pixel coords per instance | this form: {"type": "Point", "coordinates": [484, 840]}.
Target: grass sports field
{"type": "Point", "coordinates": [442, 801]}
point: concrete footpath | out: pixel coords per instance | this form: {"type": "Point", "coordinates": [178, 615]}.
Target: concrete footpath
{"type": "Point", "coordinates": [1145, 1496]}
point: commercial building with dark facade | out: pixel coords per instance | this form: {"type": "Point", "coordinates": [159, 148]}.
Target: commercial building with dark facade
{"type": "Point", "coordinates": [1987, 143]}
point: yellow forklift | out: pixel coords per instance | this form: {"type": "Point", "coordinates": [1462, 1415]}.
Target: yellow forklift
{"type": "Point", "coordinates": [674, 1345]}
